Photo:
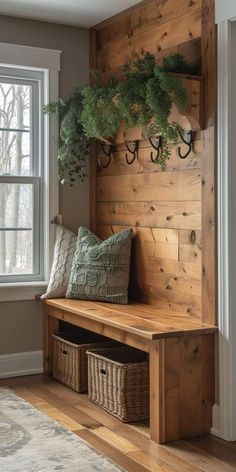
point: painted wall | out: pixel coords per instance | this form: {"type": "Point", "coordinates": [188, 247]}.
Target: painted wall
{"type": "Point", "coordinates": [232, 232]}
{"type": "Point", "coordinates": [20, 322]}
{"type": "Point", "coordinates": [225, 10]}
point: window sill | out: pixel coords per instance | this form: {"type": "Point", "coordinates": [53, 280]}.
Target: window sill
{"type": "Point", "coordinates": [21, 291]}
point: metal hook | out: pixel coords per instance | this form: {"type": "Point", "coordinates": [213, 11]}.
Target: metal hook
{"type": "Point", "coordinates": [157, 147]}
{"type": "Point", "coordinates": [188, 142]}
{"type": "Point", "coordinates": [132, 150]}
{"type": "Point", "coordinates": [111, 150]}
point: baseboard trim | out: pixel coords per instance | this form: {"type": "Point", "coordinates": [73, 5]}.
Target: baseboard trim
{"type": "Point", "coordinates": [22, 363]}
{"type": "Point", "coordinates": [215, 430]}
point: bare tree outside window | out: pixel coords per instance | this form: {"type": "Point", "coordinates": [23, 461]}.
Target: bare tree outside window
{"type": "Point", "coordinates": [16, 199]}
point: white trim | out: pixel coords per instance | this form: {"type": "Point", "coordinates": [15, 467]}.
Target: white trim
{"type": "Point", "coordinates": [27, 56]}
{"type": "Point", "coordinates": [223, 228]}
{"type": "Point", "coordinates": [22, 291]}
{"type": "Point", "coordinates": [22, 363]}
{"type": "Point", "coordinates": [226, 233]}
{"type": "Point", "coordinates": [216, 420]}
{"type": "Point", "coordinates": [51, 203]}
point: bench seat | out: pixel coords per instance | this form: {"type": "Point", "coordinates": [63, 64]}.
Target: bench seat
{"type": "Point", "coordinates": [137, 318]}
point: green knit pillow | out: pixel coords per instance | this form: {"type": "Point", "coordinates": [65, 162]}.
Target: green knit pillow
{"type": "Point", "coordinates": [100, 270]}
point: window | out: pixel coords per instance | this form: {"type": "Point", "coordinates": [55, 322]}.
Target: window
{"type": "Point", "coordinates": [22, 182]}
{"type": "Point", "coordinates": [28, 169]}
{"type": "Point", "coordinates": [21, 175]}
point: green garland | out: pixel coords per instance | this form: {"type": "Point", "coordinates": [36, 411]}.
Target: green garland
{"type": "Point", "coordinates": [143, 99]}
{"type": "Point", "coordinates": [73, 142]}
{"type": "Point", "coordinates": [100, 116]}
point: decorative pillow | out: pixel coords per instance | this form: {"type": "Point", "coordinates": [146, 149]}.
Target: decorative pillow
{"type": "Point", "coordinates": [100, 270]}
{"type": "Point", "coordinates": [64, 250]}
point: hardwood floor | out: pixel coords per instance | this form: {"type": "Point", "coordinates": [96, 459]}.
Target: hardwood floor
{"type": "Point", "coordinates": [128, 445]}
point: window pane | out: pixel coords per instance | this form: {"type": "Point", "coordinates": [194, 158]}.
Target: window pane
{"type": "Point", "coordinates": [16, 252]}
{"type": "Point", "coordinates": [15, 153]}
{"type": "Point", "coordinates": [21, 168]}
{"type": "Point", "coordinates": [16, 205]}
{"type": "Point", "coordinates": [15, 106]}
{"type": "Point", "coordinates": [15, 113]}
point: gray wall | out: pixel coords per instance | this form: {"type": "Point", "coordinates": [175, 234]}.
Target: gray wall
{"type": "Point", "coordinates": [20, 322]}
{"type": "Point", "coordinates": [225, 10]}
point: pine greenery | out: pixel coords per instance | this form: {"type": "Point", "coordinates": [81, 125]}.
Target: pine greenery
{"type": "Point", "coordinates": [100, 116]}
{"type": "Point", "coordinates": [73, 142]}
{"type": "Point", "coordinates": [143, 99]}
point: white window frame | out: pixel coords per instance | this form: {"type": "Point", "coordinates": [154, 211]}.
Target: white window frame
{"type": "Point", "coordinates": [46, 62]}
{"type": "Point", "coordinates": [35, 79]}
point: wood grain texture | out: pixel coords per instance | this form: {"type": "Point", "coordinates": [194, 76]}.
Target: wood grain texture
{"type": "Point", "coordinates": [173, 213]}
{"type": "Point", "coordinates": [134, 319]}
{"type": "Point", "coordinates": [144, 327]}
{"type": "Point", "coordinates": [193, 118]}
{"type": "Point", "coordinates": [190, 49]}
{"type": "Point", "coordinates": [143, 19]}
{"type": "Point", "coordinates": [209, 212]}
{"type": "Point", "coordinates": [209, 59]}
{"type": "Point", "coordinates": [154, 214]}
{"type": "Point", "coordinates": [204, 454]}
{"type": "Point", "coordinates": [50, 326]}
{"type": "Point", "coordinates": [171, 302]}
{"type": "Point", "coordinates": [157, 391]}
{"type": "Point", "coordinates": [158, 38]}
{"type": "Point", "coordinates": [172, 216]}
{"type": "Point", "coordinates": [164, 186]}
{"type": "Point", "coordinates": [161, 243]}
{"type": "Point", "coordinates": [189, 393]}
{"type": "Point", "coordinates": [120, 335]}
{"type": "Point", "coordinates": [190, 246]}
{"type": "Point", "coordinates": [143, 163]}
{"type": "Point", "coordinates": [164, 209]}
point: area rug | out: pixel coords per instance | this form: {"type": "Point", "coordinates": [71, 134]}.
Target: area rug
{"type": "Point", "coordinates": [30, 441]}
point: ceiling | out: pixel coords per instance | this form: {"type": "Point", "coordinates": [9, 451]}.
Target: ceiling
{"type": "Point", "coordinates": [84, 13]}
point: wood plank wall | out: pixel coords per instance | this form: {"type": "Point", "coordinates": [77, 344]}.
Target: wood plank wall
{"type": "Point", "coordinates": [163, 208]}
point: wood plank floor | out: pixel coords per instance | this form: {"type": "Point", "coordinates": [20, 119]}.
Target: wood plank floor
{"type": "Point", "coordinates": [128, 445]}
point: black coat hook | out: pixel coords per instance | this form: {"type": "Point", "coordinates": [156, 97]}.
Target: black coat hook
{"type": "Point", "coordinates": [108, 153]}
{"type": "Point", "coordinates": [188, 142]}
{"type": "Point", "coordinates": [132, 150]}
{"type": "Point", "coordinates": [157, 147]}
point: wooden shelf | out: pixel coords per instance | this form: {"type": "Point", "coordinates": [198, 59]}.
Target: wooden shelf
{"type": "Point", "coordinates": [194, 115]}
{"type": "Point", "coordinates": [192, 118]}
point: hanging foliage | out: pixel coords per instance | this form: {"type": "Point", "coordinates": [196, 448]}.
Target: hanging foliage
{"type": "Point", "coordinates": [73, 142]}
{"type": "Point", "coordinates": [143, 99]}
{"type": "Point", "coordinates": [100, 116]}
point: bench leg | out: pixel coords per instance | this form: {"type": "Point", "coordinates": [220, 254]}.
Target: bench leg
{"type": "Point", "coordinates": [157, 390]}
{"type": "Point", "coordinates": [50, 325]}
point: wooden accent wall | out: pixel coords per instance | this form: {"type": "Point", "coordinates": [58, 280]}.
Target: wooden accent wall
{"type": "Point", "coordinates": [165, 209]}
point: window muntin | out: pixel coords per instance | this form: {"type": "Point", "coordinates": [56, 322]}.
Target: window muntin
{"type": "Point", "coordinates": [21, 176]}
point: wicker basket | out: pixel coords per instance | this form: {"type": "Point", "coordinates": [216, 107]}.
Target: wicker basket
{"type": "Point", "coordinates": [70, 363]}
{"type": "Point", "coordinates": [118, 381]}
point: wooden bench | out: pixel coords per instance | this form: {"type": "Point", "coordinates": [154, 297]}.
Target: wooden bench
{"type": "Point", "coordinates": [181, 356]}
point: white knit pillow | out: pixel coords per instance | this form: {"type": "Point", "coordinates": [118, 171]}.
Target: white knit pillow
{"type": "Point", "coordinates": [64, 250]}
